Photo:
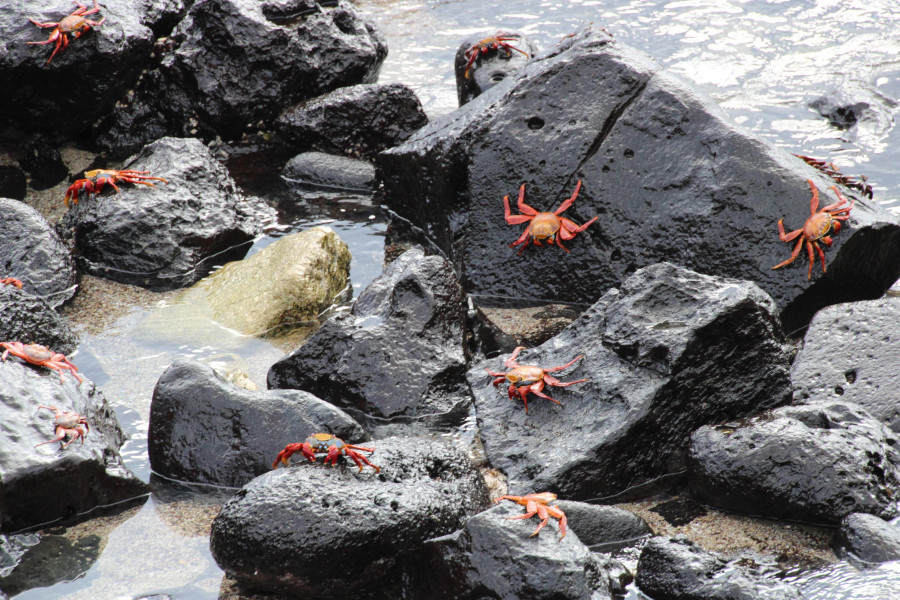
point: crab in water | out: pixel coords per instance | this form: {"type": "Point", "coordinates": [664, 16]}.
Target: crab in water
{"type": "Point", "coordinates": [547, 227]}
{"type": "Point", "coordinates": [67, 423]}
{"type": "Point", "coordinates": [539, 504]}
{"type": "Point", "coordinates": [818, 228]}
{"type": "Point", "coordinates": [97, 179]}
{"type": "Point", "coordinates": [528, 379]}
{"type": "Point", "coordinates": [325, 443]}
{"type": "Point", "coordinates": [41, 356]}
{"type": "Point", "coordinates": [11, 281]}
{"type": "Point", "coordinates": [74, 24]}
{"type": "Point", "coordinates": [495, 42]}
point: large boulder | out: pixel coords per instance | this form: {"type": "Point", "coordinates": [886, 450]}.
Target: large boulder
{"type": "Point", "coordinates": [207, 430]}
{"type": "Point", "coordinates": [170, 235]}
{"type": "Point", "coordinates": [59, 99]}
{"type": "Point", "coordinates": [44, 483]}
{"type": "Point", "coordinates": [850, 353]}
{"type": "Point", "coordinates": [34, 254]}
{"type": "Point", "coordinates": [493, 556]}
{"type": "Point", "coordinates": [400, 353]}
{"type": "Point", "coordinates": [284, 530]}
{"type": "Point", "coordinates": [868, 538]}
{"type": "Point", "coordinates": [817, 462]}
{"type": "Point", "coordinates": [670, 351]}
{"type": "Point", "coordinates": [28, 319]}
{"type": "Point", "coordinates": [669, 174]}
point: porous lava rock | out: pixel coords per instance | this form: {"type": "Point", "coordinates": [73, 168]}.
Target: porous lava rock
{"type": "Point", "coordinates": [281, 531]}
{"type": "Point", "coordinates": [32, 252]}
{"type": "Point", "coordinates": [82, 82]}
{"type": "Point", "coordinates": [817, 462]}
{"type": "Point", "coordinates": [330, 171]}
{"type": "Point", "coordinates": [28, 319]}
{"type": "Point", "coordinates": [850, 353]}
{"type": "Point", "coordinates": [494, 556]}
{"type": "Point", "coordinates": [45, 483]}
{"type": "Point", "coordinates": [868, 538]}
{"type": "Point", "coordinates": [171, 235]}
{"type": "Point", "coordinates": [491, 66]}
{"type": "Point", "coordinates": [669, 175]}
{"type": "Point", "coordinates": [230, 64]}
{"type": "Point", "coordinates": [677, 569]}
{"type": "Point", "coordinates": [400, 352]}
{"type": "Point", "coordinates": [205, 429]}
{"type": "Point", "coordinates": [669, 351]}
{"type": "Point", "coordinates": [604, 528]}
{"type": "Point", "coordinates": [357, 121]}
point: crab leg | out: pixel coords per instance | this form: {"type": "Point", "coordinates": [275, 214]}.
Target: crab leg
{"type": "Point", "coordinates": [568, 203]}
{"type": "Point", "coordinates": [557, 383]}
{"type": "Point", "coordinates": [821, 255]}
{"type": "Point", "coordinates": [794, 254]}
{"type": "Point", "coordinates": [787, 237]}
{"type": "Point", "coordinates": [812, 260]}
{"type": "Point", "coordinates": [565, 366]}
{"type": "Point", "coordinates": [524, 208]}
{"type": "Point", "coordinates": [513, 219]}
{"type": "Point", "coordinates": [523, 238]}
{"type": "Point", "coordinates": [511, 361]}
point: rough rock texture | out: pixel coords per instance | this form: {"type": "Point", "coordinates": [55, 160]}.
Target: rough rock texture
{"type": "Point", "coordinates": [399, 353]}
{"type": "Point", "coordinates": [330, 171]}
{"type": "Point", "coordinates": [28, 319]}
{"type": "Point", "coordinates": [316, 531]}
{"type": "Point", "coordinates": [358, 121]}
{"type": "Point", "coordinates": [284, 285]}
{"type": "Point", "coordinates": [868, 538]}
{"type": "Point", "coordinates": [670, 351]}
{"type": "Point", "coordinates": [850, 353]}
{"type": "Point", "coordinates": [31, 251]}
{"type": "Point", "coordinates": [44, 483]}
{"type": "Point", "coordinates": [604, 526]}
{"type": "Point", "coordinates": [667, 172]}
{"type": "Point", "coordinates": [491, 67]}
{"type": "Point", "coordinates": [493, 556]}
{"type": "Point", "coordinates": [170, 235]}
{"type": "Point", "coordinates": [233, 63]}
{"type": "Point", "coordinates": [204, 429]}
{"type": "Point", "coordinates": [817, 462]}
{"type": "Point", "coordinates": [58, 99]}
{"type": "Point", "coordinates": [676, 569]}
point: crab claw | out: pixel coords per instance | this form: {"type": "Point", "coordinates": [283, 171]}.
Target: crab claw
{"type": "Point", "coordinates": [284, 457]}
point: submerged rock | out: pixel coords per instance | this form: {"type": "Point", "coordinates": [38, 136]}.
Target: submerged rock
{"type": "Point", "coordinates": [817, 462]}
{"type": "Point", "coordinates": [206, 430]}
{"type": "Point", "coordinates": [28, 319]}
{"type": "Point", "coordinates": [283, 530]}
{"type": "Point", "coordinates": [868, 538]}
{"type": "Point", "coordinates": [670, 351]}
{"type": "Point", "coordinates": [171, 235]}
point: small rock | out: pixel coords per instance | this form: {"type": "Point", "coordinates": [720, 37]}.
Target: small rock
{"type": "Point", "coordinates": [608, 527]}
{"type": "Point", "coordinates": [330, 171]}
{"type": "Point", "coordinates": [868, 538]}
{"type": "Point", "coordinates": [491, 67]}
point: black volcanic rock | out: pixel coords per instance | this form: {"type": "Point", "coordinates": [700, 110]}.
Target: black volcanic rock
{"type": "Point", "coordinates": [491, 67]}
{"type": "Point", "coordinates": [30, 320]}
{"type": "Point", "coordinates": [868, 538]}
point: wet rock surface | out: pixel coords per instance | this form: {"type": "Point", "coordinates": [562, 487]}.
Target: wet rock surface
{"type": "Point", "coordinates": [46, 483]}
{"type": "Point", "coordinates": [850, 353]}
{"type": "Point", "coordinates": [330, 171]}
{"type": "Point", "coordinates": [868, 538]}
{"type": "Point", "coordinates": [399, 353]}
{"type": "Point", "coordinates": [171, 235]}
{"type": "Point", "coordinates": [677, 569]}
{"type": "Point", "coordinates": [816, 463]}
{"type": "Point", "coordinates": [284, 527]}
{"type": "Point", "coordinates": [204, 429]}
{"type": "Point", "coordinates": [32, 252]}
{"type": "Point", "coordinates": [604, 528]}
{"type": "Point", "coordinates": [358, 121]}
{"type": "Point", "coordinates": [670, 351]}
{"type": "Point", "coordinates": [614, 119]}
{"type": "Point", "coordinates": [493, 556]}
{"type": "Point", "coordinates": [491, 67]}
{"type": "Point", "coordinates": [28, 319]}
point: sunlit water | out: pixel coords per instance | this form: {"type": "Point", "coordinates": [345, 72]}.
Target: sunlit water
{"type": "Point", "coordinates": [763, 61]}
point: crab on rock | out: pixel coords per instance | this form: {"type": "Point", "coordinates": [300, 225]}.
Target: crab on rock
{"type": "Point", "coordinates": [325, 443]}
{"type": "Point", "coordinates": [818, 228]}
{"type": "Point", "coordinates": [494, 42]}
{"type": "Point", "coordinates": [41, 356]}
{"type": "Point", "coordinates": [67, 424]}
{"type": "Point", "coordinates": [546, 227]}
{"type": "Point", "coordinates": [74, 24]}
{"type": "Point", "coordinates": [97, 179]}
{"type": "Point", "coordinates": [525, 379]}
{"type": "Point", "coordinates": [538, 504]}
{"type": "Point", "coordinates": [11, 281]}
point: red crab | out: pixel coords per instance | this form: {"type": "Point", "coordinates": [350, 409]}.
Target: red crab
{"type": "Point", "coordinates": [11, 281]}
{"type": "Point", "coordinates": [538, 504]}
{"type": "Point", "coordinates": [495, 42]}
{"type": "Point", "coordinates": [818, 227]}
{"type": "Point", "coordinates": [99, 178]}
{"type": "Point", "coordinates": [41, 356]}
{"type": "Point", "coordinates": [544, 226]}
{"type": "Point", "coordinates": [74, 24]}
{"type": "Point", "coordinates": [321, 443]}
{"type": "Point", "coordinates": [525, 379]}
{"type": "Point", "coordinates": [67, 423]}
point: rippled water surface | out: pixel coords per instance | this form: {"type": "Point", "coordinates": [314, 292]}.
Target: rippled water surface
{"type": "Point", "coordinates": [764, 62]}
